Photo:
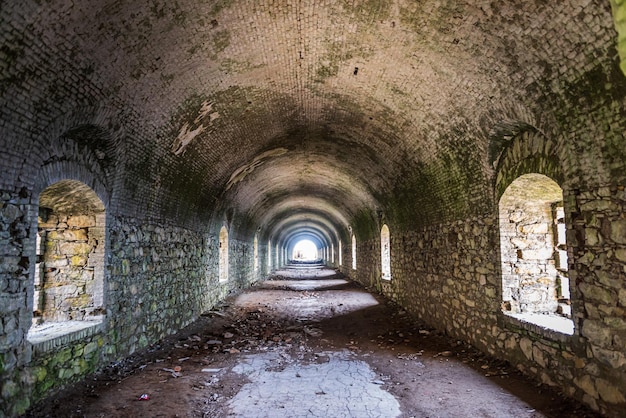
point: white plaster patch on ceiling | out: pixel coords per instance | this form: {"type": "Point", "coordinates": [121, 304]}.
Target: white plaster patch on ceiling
{"type": "Point", "coordinates": [241, 173]}
{"type": "Point", "coordinates": [200, 124]}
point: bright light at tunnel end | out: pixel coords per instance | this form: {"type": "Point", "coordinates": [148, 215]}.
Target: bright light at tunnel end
{"type": "Point", "coordinates": [304, 250]}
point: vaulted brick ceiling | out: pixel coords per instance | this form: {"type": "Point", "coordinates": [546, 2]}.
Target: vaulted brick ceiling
{"type": "Point", "coordinates": [283, 113]}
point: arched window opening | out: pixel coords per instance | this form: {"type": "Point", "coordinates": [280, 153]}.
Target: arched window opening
{"type": "Point", "coordinates": [535, 283]}
{"type": "Point", "coordinates": [340, 255]}
{"type": "Point", "coordinates": [69, 272]}
{"type": "Point", "coordinates": [353, 252]}
{"type": "Point", "coordinates": [332, 253]}
{"type": "Point", "coordinates": [223, 260]}
{"type": "Point", "coordinates": [385, 253]}
{"type": "Point", "coordinates": [256, 254]}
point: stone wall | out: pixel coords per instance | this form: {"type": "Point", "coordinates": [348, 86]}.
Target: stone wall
{"type": "Point", "coordinates": [527, 250]}
{"type": "Point", "coordinates": [449, 276]}
{"type": "Point", "coordinates": [52, 368]}
{"type": "Point", "coordinates": [15, 312]}
{"type": "Point", "coordinates": [159, 281]}
{"type": "Point", "coordinates": [159, 278]}
{"type": "Point", "coordinates": [70, 270]}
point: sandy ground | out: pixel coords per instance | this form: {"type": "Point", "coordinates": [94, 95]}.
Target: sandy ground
{"type": "Point", "coordinates": [308, 343]}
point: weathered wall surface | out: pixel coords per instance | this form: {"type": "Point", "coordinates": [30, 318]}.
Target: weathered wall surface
{"type": "Point", "coordinates": [449, 276]}
{"type": "Point", "coordinates": [334, 115]}
{"type": "Point", "coordinates": [159, 278]}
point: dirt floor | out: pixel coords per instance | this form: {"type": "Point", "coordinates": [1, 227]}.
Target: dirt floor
{"type": "Point", "coordinates": [308, 343]}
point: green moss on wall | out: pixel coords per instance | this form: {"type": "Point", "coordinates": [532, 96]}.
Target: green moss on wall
{"type": "Point", "coordinates": [619, 17]}
{"type": "Point", "coordinates": [450, 187]}
{"type": "Point", "coordinates": [546, 165]}
{"type": "Point", "coordinates": [364, 225]}
{"type": "Point", "coordinates": [368, 11]}
{"type": "Point", "coordinates": [221, 41]}
{"type": "Point", "coordinates": [220, 5]}
{"type": "Point", "coordinates": [417, 17]}
{"type": "Point", "coordinates": [230, 66]}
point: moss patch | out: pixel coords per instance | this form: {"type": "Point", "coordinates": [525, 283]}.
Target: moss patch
{"type": "Point", "coordinates": [364, 225]}
{"type": "Point", "coordinates": [368, 11]}
{"type": "Point", "coordinates": [221, 41]}
{"type": "Point", "coordinates": [219, 6]}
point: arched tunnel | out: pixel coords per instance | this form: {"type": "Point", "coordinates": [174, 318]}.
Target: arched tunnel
{"type": "Point", "coordinates": [464, 159]}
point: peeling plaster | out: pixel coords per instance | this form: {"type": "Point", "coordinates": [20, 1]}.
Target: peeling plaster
{"type": "Point", "coordinates": [241, 173]}
{"type": "Point", "coordinates": [187, 133]}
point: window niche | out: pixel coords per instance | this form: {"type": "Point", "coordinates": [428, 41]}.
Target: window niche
{"type": "Point", "coordinates": [535, 285]}
{"type": "Point", "coordinates": [385, 253]}
{"type": "Point", "coordinates": [353, 252]}
{"type": "Point", "coordinates": [256, 254]}
{"type": "Point", "coordinates": [223, 257]}
{"type": "Point", "coordinates": [68, 285]}
{"type": "Point", "coordinates": [340, 254]}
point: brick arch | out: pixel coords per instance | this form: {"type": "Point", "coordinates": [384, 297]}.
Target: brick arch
{"type": "Point", "coordinates": [60, 170]}
{"type": "Point", "coordinates": [528, 152]}
{"type": "Point", "coordinates": [82, 144]}
{"type": "Point", "coordinates": [79, 151]}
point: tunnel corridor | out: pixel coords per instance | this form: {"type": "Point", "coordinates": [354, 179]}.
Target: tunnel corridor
{"type": "Point", "coordinates": [463, 161]}
{"type": "Point", "coordinates": [309, 343]}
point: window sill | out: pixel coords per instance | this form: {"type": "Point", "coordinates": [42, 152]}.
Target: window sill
{"type": "Point", "coordinates": [50, 335]}
{"type": "Point", "coordinates": [552, 326]}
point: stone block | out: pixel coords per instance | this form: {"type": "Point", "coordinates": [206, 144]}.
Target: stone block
{"type": "Point", "coordinates": [618, 231]}
{"type": "Point", "coordinates": [9, 389]}
{"type": "Point", "coordinates": [527, 347]}
{"type": "Point", "coordinates": [592, 237]}
{"type": "Point", "coordinates": [611, 358]}
{"type": "Point", "coordinates": [609, 392]}
{"type": "Point", "coordinates": [598, 206]}
{"type": "Point", "coordinates": [597, 293]}
{"type": "Point", "coordinates": [586, 383]}
{"type": "Point", "coordinates": [597, 332]}
{"type": "Point", "coordinates": [538, 228]}
{"type": "Point", "coordinates": [538, 356]}
{"type": "Point", "coordinates": [81, 221]}
{"type": "Point", "coordinates": [542, 254]}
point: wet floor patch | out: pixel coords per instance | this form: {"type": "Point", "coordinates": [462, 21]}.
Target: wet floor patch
{"type": "Point", "coordinates": [336, 385]}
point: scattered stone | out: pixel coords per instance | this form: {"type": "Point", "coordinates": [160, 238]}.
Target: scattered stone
{"type": "Point", "coordinates": [174, 373]}
{"type": "Point", "coordinates": [313, 332]}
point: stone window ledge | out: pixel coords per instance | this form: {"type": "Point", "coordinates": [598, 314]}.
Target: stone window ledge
{"type": "Point", "coordinates": [50, 335]}
{"type": "Point", "coordinates": [553, 327]}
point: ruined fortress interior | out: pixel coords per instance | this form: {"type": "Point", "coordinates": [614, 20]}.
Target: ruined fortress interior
{"type": "Point", "coordinates": [465, 159]}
